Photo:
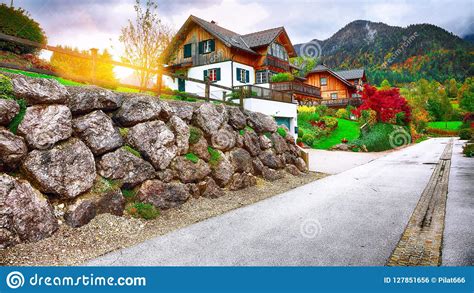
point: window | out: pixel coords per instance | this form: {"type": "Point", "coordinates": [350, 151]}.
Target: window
{"type": "Point", "coordinates": [187, 50]}
{"type": "Point", "coordinates": [324, 81]}
{"type": "Point", "coordinates": [214, 74]}
{"type": "Point", "coordinates": [356, 82]}
{"type": "Point", "coordinates": [206, 46]}
{"type": "Point", "coordinates": [242, 75]}
{"type": "Point", "coordinates": [278, 51]}
{"type": "Point", "coordinates": [333, 96]}
{"type": "Point", "coordinates": [261, 76]}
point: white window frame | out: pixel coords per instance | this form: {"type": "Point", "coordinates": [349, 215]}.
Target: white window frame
{"type": "Point", "coordinates": [243, 75]}
{"type": "Point", "coordinates": [321, 81]}
{"type": "Point", "coordinates": [206, 47]}
{"type": "Point", "coordinates": [212, 74]}
{"type": "Point", "coordinates": [333, 96]}
{"type": "Point", "coordinates": [261, 76]}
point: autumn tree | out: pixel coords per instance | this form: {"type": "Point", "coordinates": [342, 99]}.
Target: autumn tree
{"type": "Point", "coordinates": [144, 39]}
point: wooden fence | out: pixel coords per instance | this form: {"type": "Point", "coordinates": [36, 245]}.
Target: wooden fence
{"type": "Point", "coordinates": [158, 89]}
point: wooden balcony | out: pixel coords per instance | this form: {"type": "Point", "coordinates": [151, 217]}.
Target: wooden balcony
{"type": "Point", "coordinates": [341, 103]}
{"type": "Point", "coordinates": [277, 63]}
{"type": "Point", "coordinates": [297, 88]}
{"type": "Point", "coordinates": [257, 92]}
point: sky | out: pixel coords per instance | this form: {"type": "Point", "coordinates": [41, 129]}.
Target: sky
{"type": "Point", "coordinates": [88, 23]}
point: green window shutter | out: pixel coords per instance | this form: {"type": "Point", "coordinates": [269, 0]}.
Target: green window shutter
{"type": "Point", "coordinates": [218, 74]}
{"type": "Point", "coordinates": [212, 45]}
{"type": "Point", "coordinates": [187, 50]}
{"type": "Point", "coordinates": [239, 73]}
{"type": "Point", "coordinates": [247, 76]}
{"type": "Point", "coordinates": [201, 47]}
{"type": "Point", "coordinates": [205, 75]}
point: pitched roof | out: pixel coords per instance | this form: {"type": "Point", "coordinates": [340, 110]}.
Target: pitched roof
{"type": "Point", "coordinates": [262, 38]}
{"type": "Point", "coordinates": [352, 73]}
{"type": "Point", "coordinates": [323, 68]}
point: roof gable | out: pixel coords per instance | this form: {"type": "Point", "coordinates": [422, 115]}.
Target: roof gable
{"type": "Point", "coordinates": [324, 68]}
{"type": "Point", "coordinates": [352, 73]}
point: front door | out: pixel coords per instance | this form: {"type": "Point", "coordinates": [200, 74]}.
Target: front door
{"type": "Point", "coordinates": [283, 121]}
{"type": "Point", "coordinates": [181, 85]}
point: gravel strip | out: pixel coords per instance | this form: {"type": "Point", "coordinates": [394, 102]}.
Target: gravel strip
{"type": "Point", "coordinates": [106, 233]}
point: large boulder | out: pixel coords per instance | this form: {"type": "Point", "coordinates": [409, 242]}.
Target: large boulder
{"type": "Point", "coordinates": [39, 90]}
{"type": "Point", "coordinates": [80, 213]}
{"type": "Point", "coordinates": [210, 117]}
{"type": "Point", "coordinates": [138, 108]}
{"type": "Point", "coordinates": [111, 202]}
{"type": "Point", "coordinates": [301, 165]}
{"type": "Point", "coordinates": [155, 141]}
{"type": "Point", "coordinates": [44, 125]}
{"type": "Point", "coordinates": [260, 122]}
{"type": "Point", "coordinates": [98, 132]}
{"type": "Point", "coordinates": [265, 142]}
{"type": "Point", "coordinates": [252, 143]}
{"type": "Point", "coordinates": [210, 189]}
{"type": "Point", "coordinates": [242, 180]}
{"type": "Point", "coordinates": [224, 139]}
{"type": "Point", "coordinates": [66, 170]}
{"type": "Point", "coordinates": [181, 132]}
{"type": "Point", "coordinates": [126, 167]}
{"type": "Point", "coordinates": [241, 160]}
{"type": "Point", "coordinates": [85, 99]}
{"type": "Point", "coordinates": [8, 110]}
{"type": "Point", "coordinates": [25, 214]}
{"type": "Point", "coordinates": [236, 118]}
{"type": "Point", "coordinates": [200, 149]}
{"type": "Point", "coordinates": [163, 195]}
{"type": "Point", "coordinates": [293, 170]}
{"type": "Point", "coordinates": [279, 143]}
{"type": "Point", "coordinates": [270, 159]}
{"type": "Point", "coordinates": [12, 149]}
{"type": "Point", "coordinates": [270, 174]}
{"type": "Point", "coordinates": [183, 110]}
{"type": "Point", "coordinates": [188, 171]}
{"type": "Point", "coordinates": [223, 170]}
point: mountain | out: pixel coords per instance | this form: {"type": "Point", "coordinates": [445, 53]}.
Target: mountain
{"type": "Point", "coordinates": [469, 38]}
{"type": "Point", "coordinates": [399, 54]}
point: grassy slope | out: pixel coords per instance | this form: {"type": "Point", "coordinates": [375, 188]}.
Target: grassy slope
{"type": "Point", "coordinates": [39, 75]}
{"type": "Point", "coordinates": [450, 125]}
{"type": "Point", "coordinates": [345, 129]}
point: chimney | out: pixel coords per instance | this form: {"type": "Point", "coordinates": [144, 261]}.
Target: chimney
{"type": "Point", "coordinates": [213, 22]}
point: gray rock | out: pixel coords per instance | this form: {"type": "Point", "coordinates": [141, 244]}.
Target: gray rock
{"type": "Point", "coordinates": [271, 175]}
{"type": "Point", "coordinates": [39, 90]}
{"type": "Point", "coordinates": [98, 132]}
{"type": "Point", "coordinates": [166, 175]}
{"type": "Point", "coordinates": [167, 111]}
{"type": "Point", "coordinates": [126, 167]}
{"type": "Point", "coordinates": [241, 160]}
{"type": "Point", "coordinates": [271, 160]}
{"type": "Point", "coordinates": [8, 110]}
{"type": "Point", "coordinates": [252, 143]}
{"type": "Point", "coordinates": [155, 141]}
{"type": "Point", "coordinates": [112, 202]}
{"type": "Point", "coordinates": [12, 150]}
{"type": "Point", "coordinates": [210, 189]}
{"type": "Point", "coordinates": [257, 166]}
{"type": "Point", "coordinates": [341, 147]}
{"type": "Point", "coordinates": [25, 214]}
{"type": "Point", "coordinates": [210, 117]}
{"type": "Point", "coordinates": [85, 99]}
{"type": "Point", "coordinates": [80, 213]}
{"type": "Point", "coordinates": [279, 143]}
{"type": "Point", "coordinates": [242, 180]}
{"type": "Point", "coordinates": [236, 118]}
{"type": "Point", "coordinates": [138, 108]}
{"type": "Point", "coordinates": [222, 171]}
{"type": "Point", "coordinates": [66, 170]}
{"type": "Point", "coordinates": [181, 133]}
{"type": "Point", "coordinates": [163, 195]}
{"type": "Point", "coordinates": [301, 165]}
{"type": "Point", "coordinates": [293, 170]}
{"type": "Point", "coordinates": [188, 171]}
{"type": "Point", "coordinates": [193, 189]}
{"type": "Point", "coordinates": [200, 149]}
{"type": "Point", "coordinates": [44, 125]}
{"type": "Point", "coordinates": [260, 122]}
{"type": "Point", "coordinates": [224, 138]}
{"type": "Point", "coordinates": [265, 142]}
{"type": "Point", "coordinates": [183, 110]}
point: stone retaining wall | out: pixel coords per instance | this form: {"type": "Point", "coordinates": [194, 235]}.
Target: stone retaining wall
{"type": "Point", "coordinates": [78, 148]}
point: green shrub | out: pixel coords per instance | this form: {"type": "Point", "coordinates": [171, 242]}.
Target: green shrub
{"type": "Point", "coordinates": [342, 113]}
{"type": "Point", "coordinates": [129, 194]}
{"type": "Point", "coordinates": [330, 122]}
{"type": "Point", "coordinates": [132, 151]}
{"type": "Point", "coordinates": [103, 185]}
{"type": "Point", "coordinates": [284, 76]}
{"type": "Point", "coordinates": [215, 156]}
{"type": "Point", "coordinates": [308, 139]}
{"type": "Point", "coordinates": [331, 112]}
{"type": "Point", "coordinates": [13, 127]}
{"type": "Point", "coordinates": [301, 132]}
{"type": "Point", "coordinates": [143, 210]}
{"type": "Point", "coordinates": [465, 133]}
{"type": "Point", "coordinates": [192, 157]}
{"type": "Point", "coordinates": [281, 131]}
{"type": "Point", "coordinates": [16, 22]}
{"type": "Point", "coordinates": [468, 150]}
{"type": "Point", "coordinates": [382, 137]}
{"type": "Point", "coordinates": [242, 132]}
{"type": "Point", "coordinates": [195, 135]}
{"type": "Point", "coordinates": [400, 118]}
{"type": "Point", "coordinates": [6, 88]}
{"type": "Point", "coordinates": [123, 132]}
{"type": "Point", "coordinates": [248, 128]}
{"type": "Point", "coordinates": [321, 110]}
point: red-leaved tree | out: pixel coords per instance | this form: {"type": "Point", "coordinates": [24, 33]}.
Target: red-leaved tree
{"type": "Point", "coordinates": [386, 103]}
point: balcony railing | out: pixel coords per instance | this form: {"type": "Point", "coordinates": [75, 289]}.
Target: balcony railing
{"type": "Point", "coordinates": [342, 102]}
{"type": "Point", "coordinates": [299, 88]}
{"type": "Point", "coordinates": [278, 63]}
{"type": "Point", "coordinates": [257, 92]}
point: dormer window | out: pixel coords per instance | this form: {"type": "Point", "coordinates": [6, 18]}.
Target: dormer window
{"type": "Point", "coordinates": [278, 51]}
{"type": "Point", "coordinates": [206, 46]}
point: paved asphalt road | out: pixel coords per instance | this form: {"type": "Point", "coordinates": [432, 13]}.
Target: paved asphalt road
{"type": "Point", "coordinates": [353, 218]}
{"type": "Point", "coordinates": [334, 162]}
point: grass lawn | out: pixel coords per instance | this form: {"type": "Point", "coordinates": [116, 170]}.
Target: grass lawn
{"type": "Point", "coordinates": [450, 125]}
{"type": "Point", "coordinates": [345, 129]}
{"type": "Point", "coordinates": [39, 75]}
